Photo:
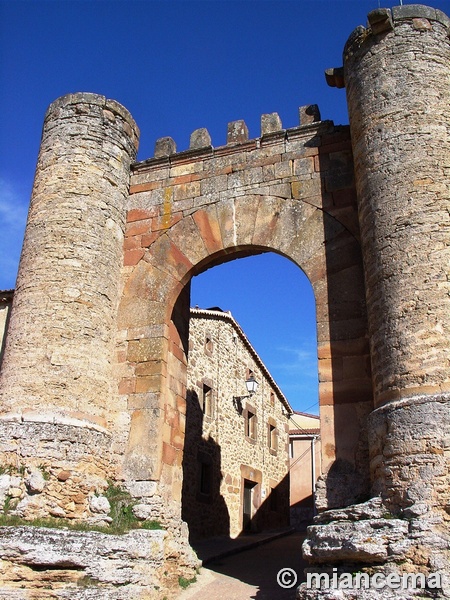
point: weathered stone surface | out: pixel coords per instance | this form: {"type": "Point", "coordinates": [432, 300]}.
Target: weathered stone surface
{"type": "Point", "coordinates": [75, 232]}
{"type": "Point", "coordinates": [59, 465]}
{"type": "Point", "coordinates": [362, 594]}
{"type": "Point", "coordinates": [142, 489]}
{"type": "Point", "coordinates": [367, 541]}
{"type": "Point", "coordinates": [270, 123]}
{"type": "Point", "coordinates": [237, 132]}
{"type": "Point", "coordinates": [309, 114]}
{"type": "Point", "coordinates": [409, 462]}
{"type": "Point", "coordinates": [290, 192]}
{"type": "Point", "coordinates": [142, 511]}
{"type": "Point", "coordinates": [35, 481]}
{"type": "Point", "coordinates": [403, 198]}
{"type": "Point", "coordinates": [165, 147]}
{"type": "Point", "coordinates": [67, 560]}
{"type": "Point", "coordinates": [372, 509]}
{"type": "Point", "coordinates": [200, 138]}
{"type": "Point", "coordinates": [99, 504]}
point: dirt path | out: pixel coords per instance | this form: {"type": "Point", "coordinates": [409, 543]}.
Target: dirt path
{"type": "Point", "coordinates": [251, 574]}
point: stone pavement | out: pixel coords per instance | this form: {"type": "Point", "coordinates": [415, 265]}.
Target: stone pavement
{"type": "Point", "coordinates": [249, 570]}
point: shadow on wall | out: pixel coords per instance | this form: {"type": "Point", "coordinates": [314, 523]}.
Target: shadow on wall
{"type": "Point", "coordinates": [268, 514]}
{"type": "Point", "coordinates": [302, 513]}
{"type": "Point", "coordinates": [346, 397]}
{"type": "Point", "coordinates": [202, 506]}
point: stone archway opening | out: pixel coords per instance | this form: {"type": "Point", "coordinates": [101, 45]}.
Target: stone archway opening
{"type": "Point", "coordinates": [216, 498]}
{"type": "Point", "coordinates": [290, 193]}
{"type": "Point", "coordinates": [273, 301]}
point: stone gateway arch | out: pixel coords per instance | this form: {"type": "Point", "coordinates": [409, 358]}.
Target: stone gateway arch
{"type": "Point", "coordinates": [93, 377]}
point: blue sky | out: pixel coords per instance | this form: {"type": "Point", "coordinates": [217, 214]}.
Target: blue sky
{"type": "Point", "coordinates": [178, 66]}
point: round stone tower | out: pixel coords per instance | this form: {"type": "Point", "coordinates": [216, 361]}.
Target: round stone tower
{"type": "Point", "coordinates": [57, 390]}
{"type": "Point", "coordinates": [60, 345]}
{"type": "Point", "coordinates": [397, 78]}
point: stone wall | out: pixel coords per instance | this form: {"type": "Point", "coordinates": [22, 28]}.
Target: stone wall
{"type": "Point", "coordinates": [402, 146]}
{"type": "Point", "coordinates": [42, 564]}
{"type": "Point", "coordinates": [53, 466]}
{"type": "Point", "coordinates": [97, 344]}
{"type": "Point", "coordinates": [397, 76]}
{"type": "Point", "coordinates": [397, 79]}
{"type": "Point", "coordinates": [60, 349]}
{"type": "Point", "coordinates": [220, 360]}
{"type": "Point", "coordinates": [289, 191]}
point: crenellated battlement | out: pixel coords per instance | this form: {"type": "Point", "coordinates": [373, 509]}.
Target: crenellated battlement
{"type": "Point", "coordinates": [380, 22]}
{"type": "Point", "coordinates": [93, 382]}
{"type": "Point", "coordinates": [237, 136]}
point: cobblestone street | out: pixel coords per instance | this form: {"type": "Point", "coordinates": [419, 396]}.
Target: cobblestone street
{"type": "Point", "coordinates": [251, 574]}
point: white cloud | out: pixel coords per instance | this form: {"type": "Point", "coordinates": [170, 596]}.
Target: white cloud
{"type": "Point", "coordinates": [13, 215]}
{"type": "Point", "coordinates": [295, 371]}
{"type": "Point", "coordinates": [301, 359]}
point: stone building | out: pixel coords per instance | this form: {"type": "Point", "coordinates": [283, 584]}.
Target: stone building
{"type": "Point", "coordinates": [235, 461]}
{"type": "Point", "coordinates": [93, 377]}
{"type": "Point", "coordinates": [305, 466]}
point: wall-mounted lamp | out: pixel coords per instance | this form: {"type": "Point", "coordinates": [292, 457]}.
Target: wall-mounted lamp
{"type": "Point", "coordinates": [252, 386]}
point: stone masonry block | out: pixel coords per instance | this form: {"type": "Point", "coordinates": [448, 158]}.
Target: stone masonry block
{"type": "Point", "coordinates": [270, 123]}
{"type": "Point", "coordinates": [200, 138]}
{"type": "Point", "coordinates": [309, 114]}
{"type": "Point", "coordinates": [237, 132]}
{"type": "Point", "coordinates": [165, 147]}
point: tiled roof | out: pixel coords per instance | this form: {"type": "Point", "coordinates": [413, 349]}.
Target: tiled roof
{"type": "Point", "coordinates": [304, 431]}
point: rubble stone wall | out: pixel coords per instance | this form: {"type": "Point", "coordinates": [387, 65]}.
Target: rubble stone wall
{"type": "Point", "coordinates": [53, 467]}
{"type": "Point", "coordinates": [401, 144]}
{"type": "Point", "coordinates": [397, 76]}
{"type": "Point", "coordinates": [224, 365]}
